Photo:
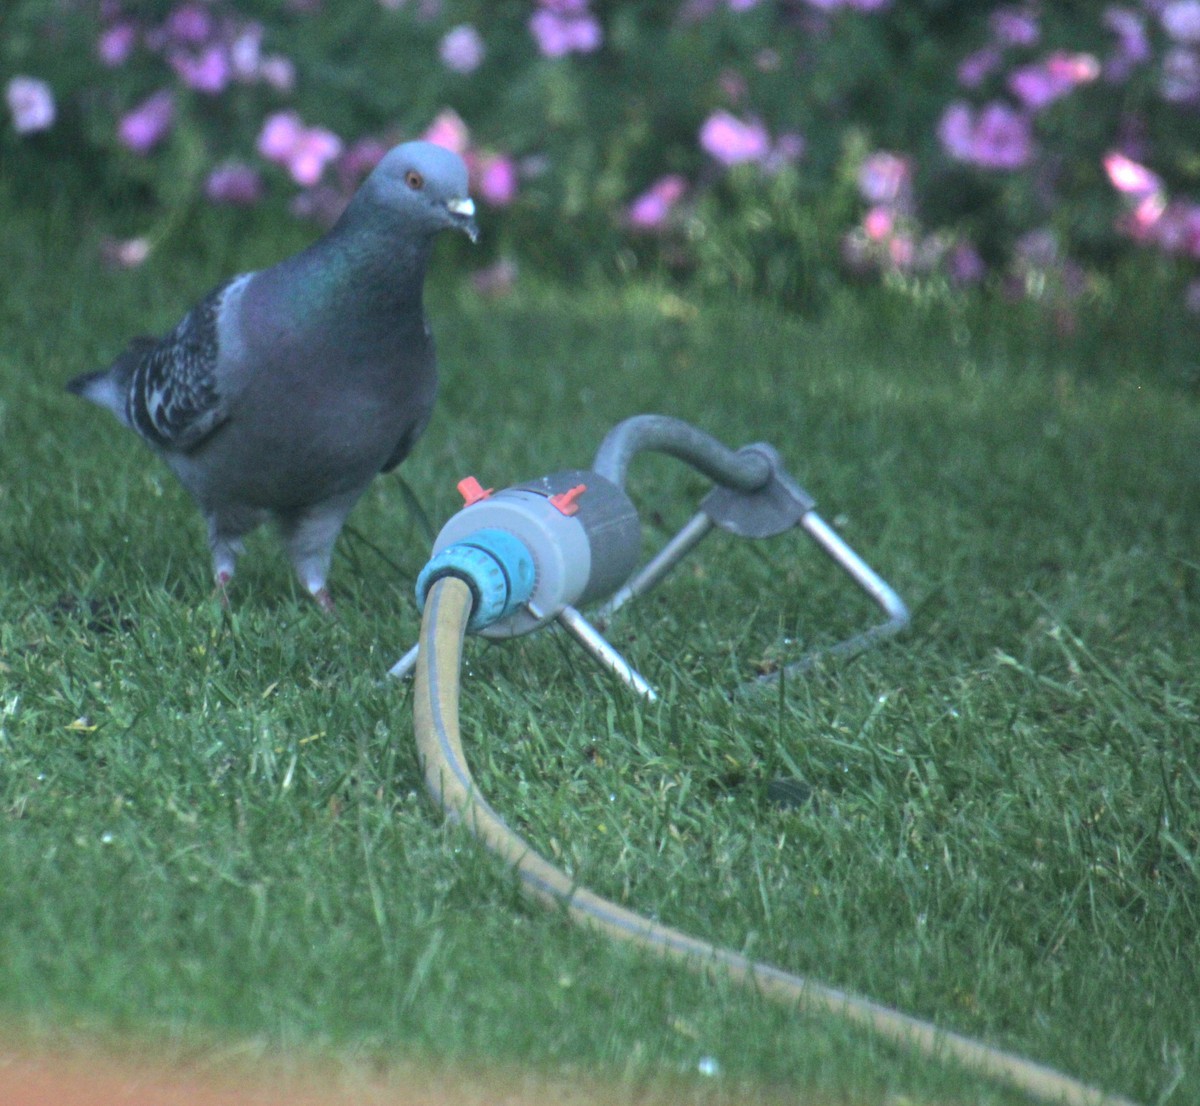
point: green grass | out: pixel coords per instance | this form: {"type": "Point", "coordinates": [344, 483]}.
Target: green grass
{"type": "Point", "coordinates": [212, 824]}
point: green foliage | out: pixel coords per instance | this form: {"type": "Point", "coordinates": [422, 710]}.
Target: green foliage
{"type": "Point", "coordinates": [589, 132]}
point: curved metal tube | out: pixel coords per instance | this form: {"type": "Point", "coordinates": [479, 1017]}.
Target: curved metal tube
{"type": "Point", "coordinates": [662, 434]}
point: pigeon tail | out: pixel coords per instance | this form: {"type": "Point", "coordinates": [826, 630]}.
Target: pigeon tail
{"type": "Point", "coordinates": [109, 387]}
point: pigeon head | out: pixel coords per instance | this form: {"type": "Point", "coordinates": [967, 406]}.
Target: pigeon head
{"type": "Point", "coordinates": [427, 185]}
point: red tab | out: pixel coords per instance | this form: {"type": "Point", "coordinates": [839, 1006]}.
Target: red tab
{"type": "Point", "coordinates": [472, 491]}
{"type": "Point", "coordinates": [567, 501]}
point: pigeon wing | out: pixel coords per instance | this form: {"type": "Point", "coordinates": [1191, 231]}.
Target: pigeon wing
{"type": "Point", "coordinates": [175, 398]}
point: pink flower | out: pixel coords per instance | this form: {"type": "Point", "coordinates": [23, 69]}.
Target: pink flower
{"type": "Point", "coordinates": [280, 135]}
{"type": "Point", "coordinates": [495, 179]}
{"type": "Point", "coordinates": [31, 104]}
{"type": "Point", "coordinates": [148, 124]}
{"type": "Point", "coordinates": [359, 159]}
{"type": "Point", "coordinates": [234, 183]}
{"type": "Point", "coordinates": [565, 27]}
{"type": "Point", "coordinates": [462, 49]}
{"type": "Point", "coordinates": [116, 44]}
{"type": "Point", "coordinates": [305, 151]}
{"type": "Point", "coordinates": [208, 72]}
{"type": "Point", "coordinates": [495, 280]}
{"type": "Point", "coordinates": [316, 149]}
{"type": "Point", "coordinates": [1181, 21]}
{"type": "Point", "coordinates": [732, 141]}
{"type": "Point", "coordinates": [1130, 177]}
{"type": "Point", "coordinates": [448, 129]}
{"type": "Point", "coordinates": [652, 208]}
{"type": "Point", "coordinates": [879, 223]}
{"type": "Point", "coordinates": [884, 178]}
{"type": "Point", "coordinates": [125, 253]}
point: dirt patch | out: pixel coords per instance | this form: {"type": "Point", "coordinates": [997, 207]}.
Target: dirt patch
{"type": "Point", "coordinates": [85, 1078]}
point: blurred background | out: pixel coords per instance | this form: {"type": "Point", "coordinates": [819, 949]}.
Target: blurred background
{"type": "Point", "coordinates": [782, 147]}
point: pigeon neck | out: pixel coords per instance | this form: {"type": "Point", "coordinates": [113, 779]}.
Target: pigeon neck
{"type": "Point", "coordinates": [370, 262]}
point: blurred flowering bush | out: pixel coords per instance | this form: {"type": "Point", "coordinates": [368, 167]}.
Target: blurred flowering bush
{"type": "Point", "coordinates": [775, 145]}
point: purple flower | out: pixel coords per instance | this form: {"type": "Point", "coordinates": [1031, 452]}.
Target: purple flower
{"type": "Point", "coordinates": [1130, 28]}
{"type": "Point", "coordinates": [565, 27]}
{"type": "Point", "coordinates": [1040, 84]}
{"type": "Point", "coordinates": [788, 148]}
{"type": "Point", "coordinates": [999, 138]}
{"type": "Point", "coordinates": [975, 68]}
{"type": "Point", "coordinates": [234, 183]}
{"type": "Point", "coordinates": [653, 207]}
{"type": "Point", "coordinates": [31, 104]}
{"type": "Point", "coordinates": [278, 72]}
{"type": "Point", "coordinates": [1015, 27]}
{"type": "Point", "coordinates": [956, 131]}
{"type": "Point", "coordinates": [208, 72]}
{"type": "Point", "coordinates": [189, 23]}
{"type": "Point", "coordinates": [116, 44]}
{"type": "Point", "coordinates": [1002, 138]}
{"type": "Point", "coordinates": [1038, 248]}
{"type": "Point", "coordinates": [245, 52]}
{"type": "Point", "coordinates": [462, 49]}
{"type": "Point", "coordinates": [147, 124]}
{"type": "Point", "coordinates": [964, 265]}
{"type": "Point", "coordinates": [858, 5]}
{"type": "Point", "coordinates": [732, 141]}
{"type": "Point", "coordinates": [1181, 21]}
{"type": "Point", "coordinates": [1180, 79]}
{"type": "Point", "coordinates": [884, 178]}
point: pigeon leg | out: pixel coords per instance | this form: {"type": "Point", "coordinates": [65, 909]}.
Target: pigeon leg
{"type": "Point", "coordinates": [225, 532]}
{"type": "Point", "coordinates": [309, 538]}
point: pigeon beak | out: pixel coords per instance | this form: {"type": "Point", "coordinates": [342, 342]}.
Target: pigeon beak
{"type": "Point", "coordinates": [463, 211]}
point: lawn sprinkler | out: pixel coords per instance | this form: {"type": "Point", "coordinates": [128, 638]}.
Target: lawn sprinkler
{"type": "Point", "coordinates": [535, 553]}
{"type": "Point", "coordinates": [513, 561]}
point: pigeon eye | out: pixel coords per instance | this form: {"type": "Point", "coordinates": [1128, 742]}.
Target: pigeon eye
{"type": "Point", "coordinates": [414, 180]}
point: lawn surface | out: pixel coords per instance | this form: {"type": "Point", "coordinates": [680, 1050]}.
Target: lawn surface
{"type": "Point", "coordinates": [212, 823]}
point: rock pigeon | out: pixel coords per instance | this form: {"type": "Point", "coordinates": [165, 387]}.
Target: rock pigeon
{"type": "Point", "coordinates": [283, 392]}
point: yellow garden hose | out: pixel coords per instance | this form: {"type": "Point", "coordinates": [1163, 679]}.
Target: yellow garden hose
{"type": "Point", "coordinates": [436, 692]}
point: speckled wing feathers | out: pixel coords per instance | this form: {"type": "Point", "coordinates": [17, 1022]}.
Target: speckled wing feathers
{"type": "Point", "coordinates": [174, 400]}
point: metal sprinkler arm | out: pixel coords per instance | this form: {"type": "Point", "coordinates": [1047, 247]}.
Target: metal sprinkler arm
{"type": "Point", "coordinates": [533, 554]}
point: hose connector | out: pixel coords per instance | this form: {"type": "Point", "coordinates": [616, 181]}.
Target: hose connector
{"type": "Point", "coordinates": [495, 564]}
